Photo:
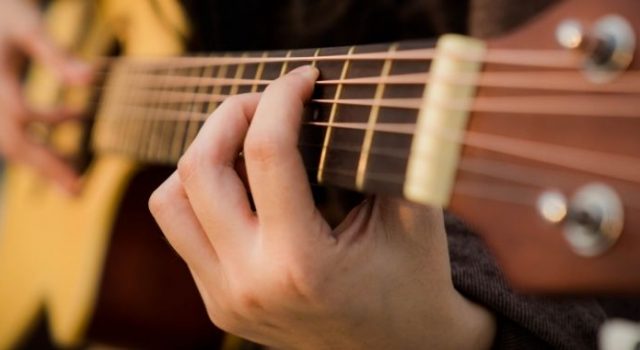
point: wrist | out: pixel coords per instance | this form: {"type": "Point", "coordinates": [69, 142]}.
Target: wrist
{"type": "Point", "coordinates": [475, 325]}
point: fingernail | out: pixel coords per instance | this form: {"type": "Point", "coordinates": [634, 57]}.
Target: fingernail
{"type": "Point", "coordinates": [308, 72]}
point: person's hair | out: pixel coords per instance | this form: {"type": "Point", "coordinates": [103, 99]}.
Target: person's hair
{"type": "Point", "coordinates": [259, 24]}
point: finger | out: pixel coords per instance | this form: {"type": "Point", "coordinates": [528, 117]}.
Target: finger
{"type": "Point", "coordinates": [170, 207]}
{"type": "Point", "coordinates": [278, 180]}
{"type": "Point", "coordinates": [55, 115]}
{"type": "Point", "coordinates": [46, 163]}
{"type": "Point", "coordinates": [35, 42]}
{"type": "Point", "coordinates": [215, 190]}
{"type": "Point", "coordinates": [12, 101]}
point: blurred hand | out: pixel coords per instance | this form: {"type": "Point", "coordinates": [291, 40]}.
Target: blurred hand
{"type": "Point", "coordinates": [281, 276]}
{"type": "Point", "coordinates": [22, 33]}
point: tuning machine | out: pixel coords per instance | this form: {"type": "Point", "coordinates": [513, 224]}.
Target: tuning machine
{"type": "Point", "coordinates": [592, 220]}
{"type": "Point", "coordinates": [608, 45]}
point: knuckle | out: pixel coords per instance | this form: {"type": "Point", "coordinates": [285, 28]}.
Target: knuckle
{"type": "Point", "coordinates": [262, 148]}
{"type": "Point", "coordinates": [188, 163]}
{"type": "Point", "coordinates": [223, 320]}
{"type": "Point", "coordinates": [302, 281]}
{"type": "Point", "coordinates": [224, 315]}
{"type": "Point", "coordinates": [158, 201]}
{"type": "Point", "coordinates": [247, 302]}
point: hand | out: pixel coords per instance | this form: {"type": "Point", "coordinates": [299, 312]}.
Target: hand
{"type": "Point", "coordinates": [281, 276]}
{"type": "Point", "coordinates": [21, 32]}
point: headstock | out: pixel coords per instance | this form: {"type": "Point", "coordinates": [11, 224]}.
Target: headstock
{"type": "Point", "coordinates": [550, 171]}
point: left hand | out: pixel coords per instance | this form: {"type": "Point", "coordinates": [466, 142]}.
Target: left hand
{"type": "Point", "coordinates": [281, 276]}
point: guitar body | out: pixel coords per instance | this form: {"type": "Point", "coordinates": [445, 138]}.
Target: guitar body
{"type": "Point", "coordinates": [54, 248]}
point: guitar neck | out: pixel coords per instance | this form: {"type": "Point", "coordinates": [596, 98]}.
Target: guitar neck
{"type": "Point", "coordinates": [357, 132]}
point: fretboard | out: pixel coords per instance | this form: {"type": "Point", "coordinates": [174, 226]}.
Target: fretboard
{"type": "Point", "coordinates": [357, 130]}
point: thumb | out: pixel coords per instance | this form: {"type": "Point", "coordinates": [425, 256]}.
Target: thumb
{"type": "Point", "coordinates": [37, 44]}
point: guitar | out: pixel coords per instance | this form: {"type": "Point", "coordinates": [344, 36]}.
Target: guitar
{"type": "Point", "coordinates": [530, 138]}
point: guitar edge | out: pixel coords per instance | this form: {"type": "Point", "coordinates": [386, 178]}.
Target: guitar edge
{"type": "Point", "coordinates": [53, 246]}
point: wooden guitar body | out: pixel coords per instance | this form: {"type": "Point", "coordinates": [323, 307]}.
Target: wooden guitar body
{"type": "Point", "coordinates": [54, 248]}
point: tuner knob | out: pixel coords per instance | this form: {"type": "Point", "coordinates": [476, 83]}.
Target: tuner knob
{"type": "Point", "coordinates": [592, 220]}
{"type": "Point", "coordinates": [608, 46]}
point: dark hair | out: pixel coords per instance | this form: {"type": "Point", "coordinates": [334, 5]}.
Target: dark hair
{"type": "Point", "coordinates": [261, 24]}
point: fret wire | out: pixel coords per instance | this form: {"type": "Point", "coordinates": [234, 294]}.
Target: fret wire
{"type": "Point", "coordinates": [285, 64]}
{"type": "Point", "coordinates": [109, 121]}
{"type": "Point", "coordinates": [332, 114]}
{"type": "Point", "coordinates": [129, 143]}
{"type": "Point", "coordinates": [314, 62]}
{"type": "Point", "coordinates": [222, 73]}
{"type": "Point", "coordinates": [118, 128]}
{"type": "Point", "coordinates": [104, 127]}
{"type": "Point", "coordinates": [143, 124]}
{"type": "Point", "coordinates": [166, 128]}
{"type": "Point", "coordinates": [182, 122]}
{"type": "Point", "coordinates": [373, 118]}
{"type": "Point", "coordinates": [194, 125]}
{"type": "Point", "coordinates": [154, 149]}
{"type": "Point", "coordinates": [238, 76]}
{"type": "Point", "coordinates": [112, 125]}
{"type": "Point", "coordinates": [145, 128]}
{"type": "Point", "coordinates": [259, 72]}
{"type": "Point", "coordinates": [115, 110]}
{"type": "Point", "coordinates": [159, 152]}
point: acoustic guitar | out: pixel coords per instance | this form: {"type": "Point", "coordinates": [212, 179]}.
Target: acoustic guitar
{"type": "Point", "coordinates": [531, 138]}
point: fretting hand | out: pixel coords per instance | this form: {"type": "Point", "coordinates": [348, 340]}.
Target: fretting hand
{"type": "Point", "coordinates": [22, 33]}
{"type": "Point", "coordinates": [281, 276]}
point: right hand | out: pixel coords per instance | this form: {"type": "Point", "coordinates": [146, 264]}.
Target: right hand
{"type": "Point", "coordinates": [22, 33]}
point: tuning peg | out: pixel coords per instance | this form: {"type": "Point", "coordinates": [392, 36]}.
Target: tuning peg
{"type": "Point", "coordinates": [592, 220]}
{"type": "Point", "coordinates": [608, 45]}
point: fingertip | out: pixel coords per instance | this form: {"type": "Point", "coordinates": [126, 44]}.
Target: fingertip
{"type": "Point", "coordinates": [308, 72]}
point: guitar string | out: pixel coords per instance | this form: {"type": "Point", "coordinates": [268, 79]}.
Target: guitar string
{"type": "Point", "coordinates": [516, 57]}
{"type": "Point", "coordinates": [618, 166]}
{"type": "Point", "coordinates": [568, 105]}
{"type": "Point", "coordinates": [573, 81]}
{"type": "Point", "coordinates": [516, 181]}
{"type": "Point", "coordinates": [235, 61]}
{"type": "Point", "coordinates": [538, 178]}
{"type": "Point", "coordinates": [522, 192]}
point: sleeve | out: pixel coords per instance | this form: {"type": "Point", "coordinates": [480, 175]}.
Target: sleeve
{"type": "Point", "coordinates": [523, 322]}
